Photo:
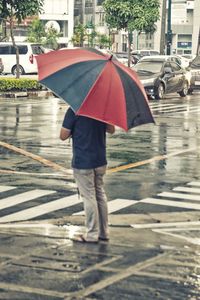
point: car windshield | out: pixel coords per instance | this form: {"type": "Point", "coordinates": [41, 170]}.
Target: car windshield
{"type": "Point", "coordinates": [37, 49]}
{"type": "Point", "coordinates": [148, 67]}
{"type": "Point", "coordinates": [196, 62]}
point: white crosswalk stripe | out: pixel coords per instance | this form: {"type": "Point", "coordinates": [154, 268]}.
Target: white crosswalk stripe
{"type": "Point", "coordinates": [194, 183]}
{"type": "Point", "coordinates": [187, 189]}
{"type": "Point", "coordinates": [172, 203]}
{"type": "Point", "coordinates": [172, 108]}
{"type": "Point", "coordinates": [114, 205]}
{"type": "Point", "coordinates": [166, 225]}
{"type": "Point", "coordinates": [180, 197]}
{"type": "Point", "coordinates": [42, 209]}
{"type": "Point", "coordinates": [23, 197]}
{"type": "Point", "coordinates": [6, 188]}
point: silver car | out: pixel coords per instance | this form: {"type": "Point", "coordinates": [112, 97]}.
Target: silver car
{"type": "Point", "coordinates": [194, 70]}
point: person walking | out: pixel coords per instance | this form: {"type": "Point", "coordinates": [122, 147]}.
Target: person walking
{"type": "Point", "coordinates": [89, 167]}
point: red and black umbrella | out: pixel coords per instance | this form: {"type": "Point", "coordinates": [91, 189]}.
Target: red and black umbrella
{"type": "Point", "coordinates": [95, 85]}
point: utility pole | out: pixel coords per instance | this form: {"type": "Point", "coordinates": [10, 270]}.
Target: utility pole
{"type": "Point", "coordinates": [163, 27]}
{"type": "Point", "coordinates": [169, 28]}
{"type": "Point", "coordinates": [198, 44]}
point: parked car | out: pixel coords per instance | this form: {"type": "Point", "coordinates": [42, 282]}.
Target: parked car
{"type": "Point", "coordinates": [27, 51]}
{"type": "Point", "coordinates": [183, 61]}
{"type": "Point", "coordinates": [194, 70]}
{"type": "Point", "coordinates": [135, 58]}
{"type": "Point", "coordinates": [174, 58]}
{"type": "Point", "coordinates": [144, 52]}
{"type": "Point", "coordinates": [122, 57]}
{"type": "Point", "coordinates": [138, 54]}
{"type": "Point", "coordinates": [161, 76]}
{"type": "Point", "coordinates": [190, 57]}
{"type": "Point", "coordinates": [1, 66]}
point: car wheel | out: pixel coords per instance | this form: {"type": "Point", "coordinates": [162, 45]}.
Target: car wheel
{"type": "Point", "coordinates": [21, 70]}
{"type": "Point", "coordinates": [160, 90]}
{"type": "Point", "coordinates": [184, 91]}
{"type": "Point", "coordinates": [190, 91]}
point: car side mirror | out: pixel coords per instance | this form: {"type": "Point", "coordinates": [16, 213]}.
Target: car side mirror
{"type": "Point", "coordinates": [168, 70]}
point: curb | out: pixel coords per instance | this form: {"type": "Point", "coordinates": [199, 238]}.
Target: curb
{"type": "Point", "coordinates": [29, 94]}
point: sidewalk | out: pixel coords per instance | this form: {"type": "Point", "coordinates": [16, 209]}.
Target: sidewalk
{"type": "Point", "coordinates": [28, 94]}
{"type": "Point", "coordinates": [39, 261]}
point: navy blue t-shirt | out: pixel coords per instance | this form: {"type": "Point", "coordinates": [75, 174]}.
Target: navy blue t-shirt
{"type": "Point", "coordinates": [89, 140]}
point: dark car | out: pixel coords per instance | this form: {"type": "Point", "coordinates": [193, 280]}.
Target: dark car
{"type": "Point", "coordinates": [160, 76]}
{"type": "Point", "coordinates": [1, 66]}
{"type": "Point", "coordinates": [194, 70]}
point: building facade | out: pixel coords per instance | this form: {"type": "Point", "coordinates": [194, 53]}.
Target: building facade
{"type": "Point", "coordinates": [64, 15]}
{"type": "Point", "coordinates": [56, 13]}
{"type": "Point", "coordinates": [185, 26]}
{"type": "Point", "coordinates": [60, 14]}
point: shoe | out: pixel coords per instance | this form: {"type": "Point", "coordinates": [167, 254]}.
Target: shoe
{"type": "Point", "coordinates": [81, 239]}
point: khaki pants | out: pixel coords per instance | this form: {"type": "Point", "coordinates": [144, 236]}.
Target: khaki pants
{"type": "Point", "coordinates": [91, 189]}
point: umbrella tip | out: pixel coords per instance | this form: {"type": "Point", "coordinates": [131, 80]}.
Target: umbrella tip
{"type": "Point", "coordinates": [110, 58]}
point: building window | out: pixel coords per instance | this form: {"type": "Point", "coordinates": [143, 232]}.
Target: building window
{"type": "Point", "coordinates": [124, 43]}
{"type": "Point", "coordinates": [100, 2]}
{"type": "Point", "coordinates": [101, 18]}
{"type": "Point", "coordinates": [88, 6]}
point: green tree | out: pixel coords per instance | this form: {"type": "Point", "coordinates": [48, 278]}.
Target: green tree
{"type": "Point", "coordinates": [91, 36]}
{"type": "Point", "coordinates": [51, 38]}
{"type": "Point", "coordinates": [132, 15]}
{"type": "Point", "coordinates": [36, 31]}
{"type": "Point", "coordinates": [84, 33]}
{"type": "Point", "coordinates": [16, 11]}
{"type": "Point", "coordinates": [103, 41]}
{"type": "Point", "coordinates": [79, 35]}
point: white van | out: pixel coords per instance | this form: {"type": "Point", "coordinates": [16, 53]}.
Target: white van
{"type": "Point", "coordinates": [27, 51]}
{"type": "Point", "coordinates": [145, 52]}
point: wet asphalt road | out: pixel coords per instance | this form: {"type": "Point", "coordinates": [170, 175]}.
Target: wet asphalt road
{"type": "Point", "coordinates": [159, 259]}
{"type": "Point", "coordinates": [147, 160]}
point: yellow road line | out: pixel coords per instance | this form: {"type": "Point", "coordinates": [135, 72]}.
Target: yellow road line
{"type": "Point", "coordinates": [109, 171]}
{"type": "Point", "coordinates": [42, 160]}
{"type": "Point", "coordinates": [4, 171]}
{"type": "Point", "coordinates": [148, 161]}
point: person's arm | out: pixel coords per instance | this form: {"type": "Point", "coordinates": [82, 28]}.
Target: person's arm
{"type": "Point", "coordinates": [67, 125]}
{"type": "Point", "coordinates": [110, 128]}
{"type": "Point", "coordinates": [64, 133]}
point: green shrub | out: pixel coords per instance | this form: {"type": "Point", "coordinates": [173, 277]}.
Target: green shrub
{"type": "Point", "coordinates": [19, 84]}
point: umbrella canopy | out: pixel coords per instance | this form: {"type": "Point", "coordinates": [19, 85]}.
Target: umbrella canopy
{"type": "Point", "coordinates": [95, 85]}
